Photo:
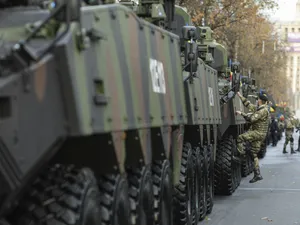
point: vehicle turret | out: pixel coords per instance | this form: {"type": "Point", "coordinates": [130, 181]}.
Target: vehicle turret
{"type": "Point", "coordinates": [209, 49]}
{"type": "Point", "coordinates": [158, 12]}
{"type": "Point", "coordinates": [181, 19]}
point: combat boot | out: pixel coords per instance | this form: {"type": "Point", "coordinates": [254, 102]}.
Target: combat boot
{"type": "Point", "coordinates": [292, 150]}
{"type": "Point", "coordinates": [284, 151]}
{"type": "Point", "coordinates": [257, 176]}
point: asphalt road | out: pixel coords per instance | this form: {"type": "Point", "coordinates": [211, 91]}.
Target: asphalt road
{"type": "Point", "coordinates": [275, 200]}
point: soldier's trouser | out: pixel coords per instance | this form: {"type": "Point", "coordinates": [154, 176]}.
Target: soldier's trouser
{"type": "Point", "coordinates": [274, 137]}
{"type": "Point", "coordinates": [288, 138]}
{"type": "Point", "coordinates": [256, 139]}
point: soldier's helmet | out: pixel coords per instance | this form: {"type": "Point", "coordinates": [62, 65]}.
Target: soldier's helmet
{"type": "Point", "coordinates": [263, 96]}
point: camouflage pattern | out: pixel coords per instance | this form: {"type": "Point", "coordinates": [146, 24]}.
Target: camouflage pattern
{"type": "Point", "coordinates": [116, 85]}
{"type": "Point", "coordinates": [202, 98]}
{"type": "Point", "coordinates": [231, 122]}
{"type": "Point", "coordinates": [104, 90]}
{"type": "Point", "coordinates": [289, 130]}
{"type": "Point", "coordinates": [259, 121]}
{"type": "Point", "coordinates": [288, 138]}
{"type": "Point", "coordinates": [201, 92]}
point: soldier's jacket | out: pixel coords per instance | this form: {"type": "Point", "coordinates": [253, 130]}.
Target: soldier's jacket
{"type": "Point", "coordinates": [291, 123]}
{"type": "Point", "coordinates": [297, 122]}
{"type": "Point", "coordinates": [259, 119]}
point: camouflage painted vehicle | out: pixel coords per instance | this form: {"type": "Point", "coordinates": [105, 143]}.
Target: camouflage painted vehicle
{"type": "Point", "coordinates": [106, 110]}
{"type": "Point", "coordinates": [227, 166]}
{"type": "Point", "coordinates": [200, 132]}
{"type": "Point", "coordinates": [92, 114]}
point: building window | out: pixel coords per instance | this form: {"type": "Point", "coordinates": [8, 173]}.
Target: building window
{"type": "Point", "coordinates": [293, 29]}
{"type": "Point", "coordinates": [298, 29]}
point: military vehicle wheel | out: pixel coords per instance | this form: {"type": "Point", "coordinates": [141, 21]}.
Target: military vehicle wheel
{"type": "Point", "coordinates": [63, 195]}
{"type": "Point", "coordinates": [115, 200]}
{"type": "Point", "coordinates": [262, 153]}
{"type": "Point", "coordinates": [197, 184]}
{"type": "Point", "coordinates": [204, 183]}
{"type": "Point", "coordinates": [245, 169]}
{"type": "Point", "coordinates": [184, 199]}
{"type": "Point", "coordinates": [245, 163]}
{"type": "Point", "coordinates": [224, 171]}
{"type": "Point", "coordinates": [237, 166]}
{"type": "Point", "coordinates": [251, 164]}
{"type": "Point", "coordinates": [141, 192]}
{"type": "Point", "coordinates": [210, 169]}
{"type": "Point", "coordinates": [163, 188]}
{"type": "Point", "coordinates": [234, 174]}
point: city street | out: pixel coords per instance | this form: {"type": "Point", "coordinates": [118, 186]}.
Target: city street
{"type": "Point", "coordinates": [274, 200]}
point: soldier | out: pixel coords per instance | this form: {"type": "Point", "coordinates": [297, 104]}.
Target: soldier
{"type": "Point", "coordinates": [259, 121]}
{"type": "Point", "coordinates": [274, 130]}
{"type": "Point", "coordinates": [289, 130]}
{"type": "Point", "coordinates": [281, 126]}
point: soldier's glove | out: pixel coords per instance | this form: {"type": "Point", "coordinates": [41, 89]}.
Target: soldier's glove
{"type": "Point", "coordinates": [247, 118]}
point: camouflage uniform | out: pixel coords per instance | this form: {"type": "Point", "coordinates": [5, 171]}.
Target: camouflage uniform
{"type": "Point", "coordinates": [289, 130]}
{"type": "Point", "coordinates": [257, 133]}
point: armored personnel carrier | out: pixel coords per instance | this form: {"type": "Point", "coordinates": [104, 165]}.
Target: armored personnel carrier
{"type": "Point", "coordinates": [227, 166]}
{"type": "Point", "coordinates": [108, 109]}
{"type": "Point", "coordinates": [92, 114]}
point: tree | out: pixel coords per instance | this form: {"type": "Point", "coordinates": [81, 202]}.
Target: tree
{"type": "Point", "coordinates": [248, 36]}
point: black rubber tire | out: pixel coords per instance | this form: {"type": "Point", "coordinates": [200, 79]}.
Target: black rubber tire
{"type": "Point", "coordinates": [246, 162]}
{"type": "Point", "coordinates": [262, 153]}
{"type": "Point", "coordinates": [224, 184]}
{"type": "Point", "coordinates": [115, 200]}
{"type": "Point", "coordinates": [184, 207]}
{"type": "Point", "coordinates": [237, 165]}
{"type": "Point", "coordinates": [245, 168]}
{"type": "Point", "coordinates": [251, 164]}
{"type": "Point", "coordinates": [141, 193]}
{"type": "Point", "coordinates": [211, 177]}
{"type": "Point", "coordinates": [3, 222]}
{"type": "Point", "coordinates": [62, 195]}
{"type": "Point", "coordinates": [204, 183]}
{"type": "Point", "coordinates": [197, 185]}
{"type": "Point", "coordinates": [163, 188]}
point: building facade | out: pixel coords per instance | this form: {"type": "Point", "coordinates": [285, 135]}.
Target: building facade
{"type": "Point", "coordinates": [289, 32]}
